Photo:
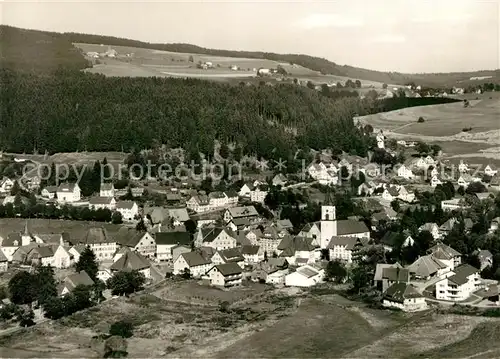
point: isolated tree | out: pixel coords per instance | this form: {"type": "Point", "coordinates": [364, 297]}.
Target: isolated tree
{"type": "Point", "coordinates": [141, 226]}
{"type": "Point", "coordinates": [435, 149]}
{"type": "Point", "coordinates": [46, 285]}
{"type": "Point", "coordinates": [476, 187]}
{"type": "Point", "coordinates": [116, 218]}
{"type": "Point", "coordinates": [55, 308]}
{"type": "Point", "coordinates": [190, 226]}
{"type": "Point", "coordinates": [310, 85]}
{"type": "Point", "coordinates": [358, 84]}
{"type": "Point", "coordinates": [191, 59]}
{"type": "Point", "coordinates": [384, 86]}
{"type": "Point", "coordinates": [395, 205]}
{"type": "Point", "coordinates": [16, 189]}
{"type": "Point", "coordinates": [422, 148]}
{"type": "Point", "coordinates": [88, 263]}
{"type": "Point", "coordinates": [336, 271]}
{"type": "Point", "coordinates": [125, 283]}
{"type": "Point", "coordinates": [122, 329]}
{"type": "Point", "coordinates": [22, 288]}
{"type": "Point", "coordinates": [25, 317]}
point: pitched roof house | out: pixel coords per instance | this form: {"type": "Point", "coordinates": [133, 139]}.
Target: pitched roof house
{"type": "Point", "coordinates": [405, 297]}
{"type": "Point", "coordinates": [74, 280]}
{"type": "Point", "coordinates": [194, 262]}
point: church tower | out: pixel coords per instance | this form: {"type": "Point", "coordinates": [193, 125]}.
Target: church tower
{"type": "Point", "coordinates": [26, 236]}
{"type": "Point", "coordinates": [328, 220]}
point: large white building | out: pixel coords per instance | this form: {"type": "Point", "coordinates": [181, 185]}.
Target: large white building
{"type": "Point", "coordinates": [465, 281]}
{"type": "Point", "coordinates": [305, 276]}
{"type": "Point", "coordinates": [128, 209]}
{"type": "Point", "coordinates": [99, 241]}
{"type": "Point", "coordinates": [68, 192]}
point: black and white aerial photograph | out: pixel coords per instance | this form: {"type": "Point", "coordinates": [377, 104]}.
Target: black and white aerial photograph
{"type": "Point", "coordinates": [250, 179]}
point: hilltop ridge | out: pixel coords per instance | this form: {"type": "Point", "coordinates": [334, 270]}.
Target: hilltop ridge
{"type": "Point", "coordinates": [9, 34]}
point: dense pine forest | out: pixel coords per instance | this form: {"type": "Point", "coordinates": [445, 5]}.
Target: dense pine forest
{"type": "Point", "coordinates": [76, 111]}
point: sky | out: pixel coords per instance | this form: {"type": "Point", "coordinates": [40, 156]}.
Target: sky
{"type": "Point", "coordinates": [387, 35]}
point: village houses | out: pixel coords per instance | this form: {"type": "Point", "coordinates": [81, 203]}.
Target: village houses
{"type": "Point", "coordinates": [96, 203]}
{"type": "Point", "coordinates": [405, 172]}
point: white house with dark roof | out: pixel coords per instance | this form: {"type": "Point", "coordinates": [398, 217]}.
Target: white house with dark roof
{"type": "Point", "coordinates": [199, 203]}
{"type": "Point", "coordinates": [194, 262]}
{"type": "Point", "coordinates": [343, 248]}
{"type": "Point", "coordinates": [451, 257]}
{"type": "Point", "coordinates": [130, 260]}
{"type": "Point", "coordinates": [251, 254]}
{"type": "Point", "coordinates": [107, 190]}
{"type": "Point", "coordinates": [428, 266]}
{"type": "Point", "coordinates": [404, 296]}
{"type": "Point", "coordinates": [100, 242]}
{"type": "Point", "coordinates": [228, 256]}
{"type": "Point", "coordinates": [259, 193]}
{"type": "Point", "coordinates": [49, 192]}
{"type": "Point", "coordinates": [167, 241]}
{"type": "Point", "coordinates": [178, 215]}
{"type": "Point", "coordinates": [72, 281]}
{"type": "Point", "coordinates": [226, 275]}
{"type": "Point", "coordinates": [298, 250]}
{"type": "Point", "coordinates": [96, 203]}
{"type": "Point", "coordinates": [305, 276]}
{"type": "Point", "coordinates": [459, 286]}
{"type": "Point", "coordinates": [241, 212]}
{"type": "Point", "coordinates": [219, 238]}
{"type": "Point", "coordinates": [325, 175]}
{"type": "Point", "coordinates": [433, 228]}
{"type": "Point", "coordinates": [245, 190]}
{"type": "Point", "coordinates": [217, 200]}
{"type": "Point", "coordinates": [128, 209]}
{"type": "Point", "coordinates": [490, 170]}
{"type": "Point", "coordinates": [68, 192]}
{"type": "Point", "coordinates": [138, 241]}
{"type": "Point", "coordinates": [405, 172]}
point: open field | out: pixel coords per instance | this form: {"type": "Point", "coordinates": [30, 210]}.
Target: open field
{"type": "Point", "coordinates": [137, 62]}
{"type": "Point", "coordinates": [443, 125]}
{"type": "Point", "coordinates": [271, 325]}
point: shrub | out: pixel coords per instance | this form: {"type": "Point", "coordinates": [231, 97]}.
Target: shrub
{"type": "Point", "coordinates": [421, 119]}
{"type": "Point", "coordinates": [122, 329]}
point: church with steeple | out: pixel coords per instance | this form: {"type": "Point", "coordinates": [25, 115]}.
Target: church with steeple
{"type": "Point", "coordinates": [330, 228]}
